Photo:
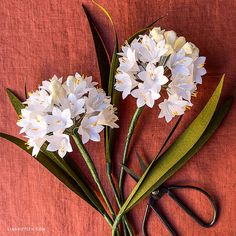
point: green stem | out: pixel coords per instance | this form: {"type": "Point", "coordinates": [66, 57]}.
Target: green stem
{"type": "Point", "coordinates": [113, 187]}
{"type": "Point", "coordinates": [93, 171]}
{"type": "Point", "coordinates": [125, 153]}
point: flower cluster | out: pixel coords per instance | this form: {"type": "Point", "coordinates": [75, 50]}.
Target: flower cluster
{"type": "Point", "coordinates": [56, 108]}
{"type": "Point", "coordinates": [160, 61]}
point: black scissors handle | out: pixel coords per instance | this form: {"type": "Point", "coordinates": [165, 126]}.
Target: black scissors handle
{"type": "Point", "coordinates": [156, 195]}
{"type": "Point", "coordinates": [160, 216]}
{"type": "Point", "coordinates": [193, 215]}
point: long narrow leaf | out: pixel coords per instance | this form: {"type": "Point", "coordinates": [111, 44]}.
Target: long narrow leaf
{"type": "Point", "coordinates": [51, 166]}
{"type": "Point", "coordinates": [157, 171]}
{"type": "Point", "coordinates": [17, 104]}
{"type": "Point", "coordinates": [210, 130]}
{"type": "Point", "coordinates": [15, 101]}
{"type": "Point", "coordinates": [101, 52]}
{"type": "Point", "coordinates": [76, 176]}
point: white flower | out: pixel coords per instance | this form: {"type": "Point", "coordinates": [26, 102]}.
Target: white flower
{"type": "Point", "coordinates": [36, 144]}
{"type": "Point", "coordinates": [128, 62]}
{"type": "Point", "coordinates": [107, 117]}
{"type": "Point", "coordinates": [125, 83]}
{"type": "Point", "coordinates": [182, 86]}
{"type": "Point", "coordinates": [78, 85]}
{"type": "Point", "coordinates": [56, 107]}
{"type": "Point", "coordinates": [59, 142]}
{"type": "Point", "coordinates": [33, 125]}
{"type": "Point", "coordinates": [153, 78]}
{"type": "Point", "coordinates": [173, 43]}
{"type": "Point", "coordinates": [46, 85]}
{"type": "Point", "coordinates": [96, 101]}
{"type": "Point", "coordinates": [191, 50]}
{"type": "Point", "coordinates": [76, 105]}
{"type": "Point", "coordinates": [90, 129]}
{"type": "Point", "coordinates": [179, 63]}
{"type": "Point", "coordinates": [157, 34]}
{"type": "Point", "coordinates": [167, 65]}
{"type": "Point", "coordinates": [144, 96]}
{"type": "Point", "coordinates": [39, 100]}
{"type": "Point", "coordinates": [150, 51]}
{"type": "Point", "coordinates": [199, 70]}
{"type": "Point", "coordinates": [172, 106]}
{"type": "Point", "coordinates": [59, 120]}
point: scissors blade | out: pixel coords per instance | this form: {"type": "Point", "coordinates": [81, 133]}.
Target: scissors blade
{"type": "Point", "coordinates": [162, 217]}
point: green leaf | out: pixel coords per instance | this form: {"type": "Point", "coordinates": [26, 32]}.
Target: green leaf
{"type": "Point", "coordinates": [131, 173]}
{"type": "Point", "coordinates": [215, 122]}
{"type": "Point", "coordinates": [52, 167]}
{"type": "Point", "coordinates": [115, 95]}
{"type": "Point", "coordinates": [15, 101]}
{"type": "Point", "coordinates": [174, 157]}
{"type": "Point", "coordinates": [142, 163]}
{"type": "Point", "coordinates": [55, 158]}
{"type": "Point", "coordinates": [78, 177]}
{"type": "Point", "coordinates": [142, 31]}
{"type": "Point", "coordinates": [113, 68]}
{"type": "Point", "coordinates": [101, 52]}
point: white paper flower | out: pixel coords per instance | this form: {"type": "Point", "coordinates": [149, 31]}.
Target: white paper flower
{"type": "Point", "coordinates": [167, 65]}
{"type": "Point", "coordinates": [153, 78]}
{"type": "Point", "coordinates": [125, 83]}
{"type": "Point", "coordinates": [36, 144]}
{"type": "Point", "coordinates": [59, 142]}
{"type": "Point", "coordinates": [144, 96]}
{"type": "Point", "coordinates": [199, 70]}
{"type": "Point", "coordinates": [76, 105]}
{"type": "Point", "coordinates": [59, 120]}
{"type": "Point", "coordinates": [182, 86]}
{"type": "Point", "coordinates": [34, 125]}
{"type": "Point", "coordinates": [180, 64]}
{"type": "Point", "coordinates": [157, 34]}
{"type": "Point", "coordinates": [107, 117]}
{"type": "Point", "coordinates": [172, 106]}
{"type": "Point", "coordinates": [96, 101]}
{"type": "Point", "coordinates": [90, 129]}
{"type": "Point", "coordinates": [56, 109]}
{"type": "Point", "coordinates": [150, 51]}
{"type": "Point", "coordinates": [173, 42]}
{"type": "Point", "coordinates": [128, 62]}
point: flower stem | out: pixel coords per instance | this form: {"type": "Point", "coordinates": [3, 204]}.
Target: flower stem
{"type": "Point", "coordinates": [113, 187]}
{"type": "Point", "coordinates": [93, 171]}
{"type": "Point", "coordinates": [125, 153]}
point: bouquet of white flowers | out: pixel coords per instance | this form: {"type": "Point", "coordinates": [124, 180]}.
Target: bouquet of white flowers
{"type": "Point", "coordinates": [153, 65]}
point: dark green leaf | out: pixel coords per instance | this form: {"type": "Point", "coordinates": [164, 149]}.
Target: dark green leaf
{"type": "Point", "coordinates": [52, 167]}
{"type": "Point", "coordinates": [76, 176]}
{"type": "Point", "coordinates": [57, 160]}
{"type": "Point", "coordinates": [142, 163]}
{"type": "Point", "coordinates": [101, 52]}
{"type": "Point", "coordinates": [158, 171]}
{"type": "Point", "coordinates": [15, 101]}
{"type": "Point", "coordinates": [132, 174]}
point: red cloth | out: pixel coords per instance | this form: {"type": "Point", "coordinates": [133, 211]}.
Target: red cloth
{"type": "Point", "coordinates": [41, 38]}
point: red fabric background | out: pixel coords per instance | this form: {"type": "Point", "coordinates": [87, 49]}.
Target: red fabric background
{"type": "Point", "coordinates": [41, 38]}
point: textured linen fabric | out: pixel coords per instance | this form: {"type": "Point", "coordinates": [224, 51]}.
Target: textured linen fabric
{"type": "Point", "coordinates": [41, 38]}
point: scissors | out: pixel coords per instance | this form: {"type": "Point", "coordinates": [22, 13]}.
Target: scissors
{"type": "Point", "coordinates": [158, 193]}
